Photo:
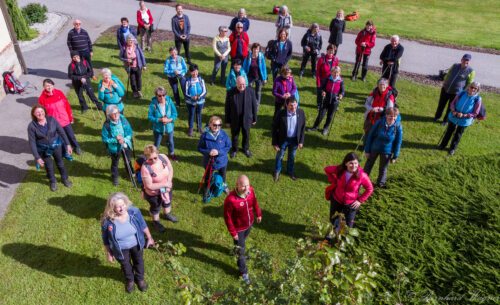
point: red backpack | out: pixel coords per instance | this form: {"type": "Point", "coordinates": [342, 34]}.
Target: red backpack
{"type": "Point", "coordinates": [11, 84]}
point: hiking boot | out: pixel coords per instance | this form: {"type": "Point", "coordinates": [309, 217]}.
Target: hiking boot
{"type": "Point", "coordinates": [293, 177]}
{"type": "Point", "coordinates": [276, 176]}
{"type": "Point", "coordinates": [248, 153]}
{"type": "Point", "coordinates": [142, 285]}
{"type": "Point", "coordinates": [353, 78]}
{"type": "Point", "coordinates": [200, 131]}
{"type": "Point", "coordinates": [301, 73]}
{"type": "Point", "coordinates": [363, 79]}
{"type": "Point", "coordinates": [115, 181]}
{"type": "Point", "coordinates": [53, 186]}
{"type": "Point", "coordinates": [441, 147]}
{"type": "Point", "coordinates": [78, 151]}
{"type": "Point", "coordinates": [135, 94]}
{"type": "Point", "coordinates": [381, 185]}
{"type": "Point", "coordinates": [67, 183]}
{"type": "Point", "coordinates": [232, 154]}
{"type": "Point", "coordinates": [451, 152]}
{"type": "Point", "coordinates": [170, 217]}
{"type": "Point", "coordinates": [190, 132]}
{"type": "Point", "coordinates": [212, 83]}
{"type": "Point", "coordinates": [98, 106]}
{"type": "Point", "coordinates": [324, 131]}
{"type": "Point", "coordinates": [139, 93]}
{"type": "Point", "coordinates": [311, 128]}
{"type": "Point", "coordinates": [158, 226]}
{"type": "Point", "coordinates": [84, 110]}
{"type": "Point", "coordinates": [173, 157]}
{"type": "Point", "coordinates": [129, 287]}
{"type": "Point", "coordinates": [246, 278]}
{"type": "Point", "coordinates": [444, 123]}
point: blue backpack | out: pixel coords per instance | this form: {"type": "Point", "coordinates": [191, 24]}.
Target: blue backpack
{"type": "Point", "coordinates": [140, 162]}
{"type": "Point", "coordinates": [216, 187]}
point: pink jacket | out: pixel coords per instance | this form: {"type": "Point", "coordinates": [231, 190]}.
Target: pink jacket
{"type": "Point", "coordinates": [348, 192]}
{"type": "Point", "coordinates": [57, 106]}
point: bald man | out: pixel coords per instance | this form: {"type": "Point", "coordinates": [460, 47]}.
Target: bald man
{"type": "Point", "coordinates": [239, 209]}
{"type": "Point", "coordinates": [79, 40]}
{"type": "Point", "coordinates": [241, 114]}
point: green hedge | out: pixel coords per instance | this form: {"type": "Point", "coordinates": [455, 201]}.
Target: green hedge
{"type": "Point", "coordinates": [20, 24]}
{"type": "Point", "coordinates": [35, 13]}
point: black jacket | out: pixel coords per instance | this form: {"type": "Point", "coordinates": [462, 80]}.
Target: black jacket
{"type": "Point", "coordinates": [35, 135]}
{"type": "Point", "coordinates": [279, 56]}
{"type": "Point", "coordinates": [77, 71]}
{"type": "Point", "coordinates": [280, 125]}
{"type": "Point", "coordinates": [390, 54]}
{"type": "Point", "coordinates": [337, 27]}
{"type": "Point", "coordinates": [241, 111]}
{"type": "Point", "coordinates": [315, 42]}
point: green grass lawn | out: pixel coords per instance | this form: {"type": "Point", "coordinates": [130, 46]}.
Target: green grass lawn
{"type": "Point", "coordinates": [439, 218]}
{"type": "Point", "coordinates": [455, 22]}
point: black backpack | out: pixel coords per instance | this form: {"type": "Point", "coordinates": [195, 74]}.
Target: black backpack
{"type": "Point", "coordinates": [270, 51]}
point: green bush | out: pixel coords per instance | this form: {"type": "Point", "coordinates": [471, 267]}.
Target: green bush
{"type": "Point", "coordinates": [20, 25]}
{"type": "Point", "coordinates": [35, 13]}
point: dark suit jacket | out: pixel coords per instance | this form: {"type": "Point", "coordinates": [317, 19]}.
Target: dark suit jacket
{"type": "Point", "coordinates": [280, 126]}
{"type": "Point", "coordinates": [238, 113]}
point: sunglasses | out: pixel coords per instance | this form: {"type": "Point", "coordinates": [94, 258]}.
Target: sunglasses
{"type": "Point", "coordinates": [161, 95]}
{"type": "Point", "coordinates": [153, 159]}
{"type": "Point", "coordinates": [474, 88]}
{"type": "Point", "coordinates": [217, 125]}
{"type": "Point", "coordinates": [239, 27]}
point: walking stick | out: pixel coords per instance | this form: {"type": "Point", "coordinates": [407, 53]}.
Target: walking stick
{"type": "Point", "coordinates": [91, 109]}
{"type": "Point", "coordinates": [442, 136]}
{"type": "Point", "coordinates": [207, 169]}
{"type": "Point", "coordinates": [360, 141]}
{"type": "Point", "coordinates": [128, 82]}
{"type": "Point", "coordinates": [330, 105]}
{"type": "Point", "coordinates": [358, 63]}
{"type": "Point", "coordinates": [129, 169]}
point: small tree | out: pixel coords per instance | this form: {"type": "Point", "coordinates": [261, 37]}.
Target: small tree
{"type": "Point", "coordinates": [20, 25]}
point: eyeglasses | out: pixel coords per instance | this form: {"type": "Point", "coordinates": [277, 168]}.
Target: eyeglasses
{"type": "Point", "coordinates": [239, 27]}
{"type": "Point", "coordinates": [161, 95]}
{"type": "Point", "coordinates": [474, 88]}
{"type": "Point", "coordinates": [113, 113]}
{"type": "Point", "coordinates": [153, 159]}
{"type": "Point", "coordinates": [217, 125]}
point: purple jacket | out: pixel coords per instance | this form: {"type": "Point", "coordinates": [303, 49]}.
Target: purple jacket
{"type": "Point", "coordinates": [282, 86]}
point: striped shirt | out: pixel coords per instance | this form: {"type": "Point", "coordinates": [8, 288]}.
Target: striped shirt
{"type": "Point", "coordinates": [79, 41]}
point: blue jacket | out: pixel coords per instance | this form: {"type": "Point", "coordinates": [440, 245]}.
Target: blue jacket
{"type": "Point", "coordinates": [231, 79]}
{"type": "Point", "coordinates": [108, 230]}
{"type": "Point", "coordinates": [193, 89]}
{"type": "Point", "coordinates": [176, 28]}
{"type": "Point", "coordinates": [385, 139]}
{"type": "Point", "coordinates": [113, 96]}
{"type": "Point", "coordinates": [120, 40]}
{"type": "Point", "coordinates": [171, 65]}
{"type": "Point", "coordinates": [154, 114]}
{"type": "Point", "coordinates": [261, 63]}
{"type": "Point", "coordinates": [141, 60]}
{"type": "Point", "coordinates": [109, 132]}
{"type": "Point", "coordinates": [221, 143]}
{"type": "Point", "coordinates": [465, 104]}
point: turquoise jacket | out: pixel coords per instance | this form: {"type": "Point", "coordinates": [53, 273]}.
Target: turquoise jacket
{"type": "Point", "coordinates": [261, 62]}
{"type": "Point", "coordinates": [467, 104]}
{"type": "Point", "coordinates": [231, 79]}
{"type": "Point", "coordinates": [111, 129]}
{"type": "Point", "coordinates": [154, 115]}
{"type": "Point", "coordinates": [195, 89]}
{"type": "Point", "coordinates": [172, 65]}
{"type": "Point", "coordinates": [385, 139]}
{"type": "Point", "coordinates": [113, 96]}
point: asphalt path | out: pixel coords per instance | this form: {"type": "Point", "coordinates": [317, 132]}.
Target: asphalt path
{"type": "Point", "coordinates": [51, 60]}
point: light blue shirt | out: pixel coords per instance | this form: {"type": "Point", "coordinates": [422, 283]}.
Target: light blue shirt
{"type": "Point", "coordinates": [291, 131]}
{"type": "Point", "coordinates": [125, 234]}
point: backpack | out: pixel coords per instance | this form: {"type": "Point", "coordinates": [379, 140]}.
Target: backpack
{"type": "Point", "coordinates": [84, 63]}
{"type": "Point", "coordinates": [141, 161]}
{"type": "Point", "coordinates": [11, 84]}
{"type": "Point", "coordinates": [482, 113]}
{"type": "Point", "coordinates": [270, 51]}
{"type": "Point", "coordinates": [216, 187]}
{"type": "Point", "coordinates": [352, 16]}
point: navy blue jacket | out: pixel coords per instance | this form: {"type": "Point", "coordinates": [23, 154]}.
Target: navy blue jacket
{"type": "Point", "coordinates": [120, 40]}
{"type": "Point", "coordinates": [222, 144]}
{"type": "Point", "coordinates": [108, 230]}
{"type": "Point", "coordinates": [385, 139]}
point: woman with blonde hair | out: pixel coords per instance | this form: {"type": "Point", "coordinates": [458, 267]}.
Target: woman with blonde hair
{"type": "Point", "coordinates": [123, 230]}
{"type": "Point", "coordinates": [337, 28]}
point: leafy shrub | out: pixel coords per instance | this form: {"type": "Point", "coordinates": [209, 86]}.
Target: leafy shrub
{"type": "Point", "coordinates": [35, 13]}
{"type": "Point", "coordinates": [19, 22]}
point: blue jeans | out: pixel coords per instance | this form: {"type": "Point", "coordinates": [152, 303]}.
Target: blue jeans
{"type": "Point", "coordinates": [219, 64]}
{"type": "Point", "coordinates": [170, 140]}
{"type": "Point", "coordinates": [192, 110]}
{"type": "Point", "coordinates": [292, 145]}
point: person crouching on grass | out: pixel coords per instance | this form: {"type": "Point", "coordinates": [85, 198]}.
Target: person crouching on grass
{"type": "Point", "coordinates": [123, 229]}
{"type": "Point", "coordinates": [239, 209]}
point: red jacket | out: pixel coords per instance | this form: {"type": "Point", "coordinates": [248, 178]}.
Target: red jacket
{"type": "Point", "coordinates": [57, 106]}
{"type": "Point", "coordinates": [238, 212]}
{"type": "Point", "coordinates": [323, 69]}
{"type": "Point", "coordinates": [234, 44]}
{"type": "Point", "coordinates": [368, 38]}
{"type": "Point", "coordinates": [348, 192]}
{"type": "Point", "coordinates": [140, 22]}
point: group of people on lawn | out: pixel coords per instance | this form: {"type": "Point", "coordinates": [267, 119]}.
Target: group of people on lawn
{"type": "Point", "coordinates": [124, 231]}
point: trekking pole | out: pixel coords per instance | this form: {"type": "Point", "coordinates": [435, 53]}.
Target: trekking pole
{"type": "Point", "coordinates": [390, 72]}
{"type": "Point", "coordinates": [330, 105]}
{"type": "Point", "coordinates": [442, 136]}
{"type": "Point", "coordinates": [333, 120]}
{"type": "Point", "coordinates": [128, 82]}
{"type": "Point", "coordinates": [91, 108]}
{"type": "Point", "coordinates": [207, 169]}
{"type": "Point", "coordinates": [128, 167]}
{"type": "Point", "coordinates": [358, 62]}
{"type": "Point", "coordinates": [359, 142]}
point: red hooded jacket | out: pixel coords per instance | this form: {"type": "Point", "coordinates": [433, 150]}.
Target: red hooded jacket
{"type": "Point", "coordinates": [323, 69]}
{"type": "Point", "coordinates": [238, 212]}
{"type": "Point", "coordinates": [368, 38]}
{"type": "Point", "coordinates": [348, 192]}
{"type": "Point", "coordinates": [234, 44]}
{"type": "Point", "coordinates": [57, 106]}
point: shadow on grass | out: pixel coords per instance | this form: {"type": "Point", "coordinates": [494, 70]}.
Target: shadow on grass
{"type": "Point", "coordinates": [58, 262]}
{"type": "Point", "coordinates": [86, 206]}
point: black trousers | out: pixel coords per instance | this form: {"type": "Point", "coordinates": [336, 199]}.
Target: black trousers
{"type": "Point", "coordinates": [132, 264]}
{"type": "Point", "coordinates": [364, 68]}
{"type": "Point", "coordinates": [235, 132]}
{"type": "Point", "coordinates": [444, 102]}
{"type": "Point", "coordinates": [389, 73]}
{"type": "Point", "coordinates": [80, 89]}
{"type": "Point", "coordinates": [86, 55]}
{"type": "Point", "coordinates": [383, 165]}
{"type": "Point", "coordinates": [116, 157]}
{"type": "Point", "coordinates": [135, 79]}
{"type": "Point", "coordinates": [305, 58]}
{"type": "Point", "coordinates": [240, 252]}
{"type": "Point", "coordinates": [328, 108]}
{"type": "Point", "coordinates": [185, 43]}
{"type": "Point", "coordinates": [452, 128]}
{"type": "Point", "coordinates": [49, 165]}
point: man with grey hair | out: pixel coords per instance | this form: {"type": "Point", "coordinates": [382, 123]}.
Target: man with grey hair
{"type": "Point", "coordinates": [79, 40]}
{"type": "Point", "coordinates": [389, 59]}
{"type": "Point", "coordinates": [242, 17]}
{"type": "Point", "coordinates": [241, 114]}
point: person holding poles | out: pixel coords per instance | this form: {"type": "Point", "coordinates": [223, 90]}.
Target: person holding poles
{"type": "Point", "coordinates": [365, 41]}
{"type": "Point", "coordinates": [175, 68]}
{"type": "Point", "coordinates": [135, 63]}
{"type": "Point", "coordinates": [239, 207]}
{"type": "Point", "coordinates": [288, 132]}
{"type": "Point", "coordinates": [332, 91]}
{"type": "Point", "coordinates": [162, 113]}
{"type": "Point", "coordinates": [389, 59]}
{"type": "Point", "coordinates": [116, 134]}
{"type": "Point", "coordinates": [111, 90]}
{"type": "Point", "coordinates": [79, 71]}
